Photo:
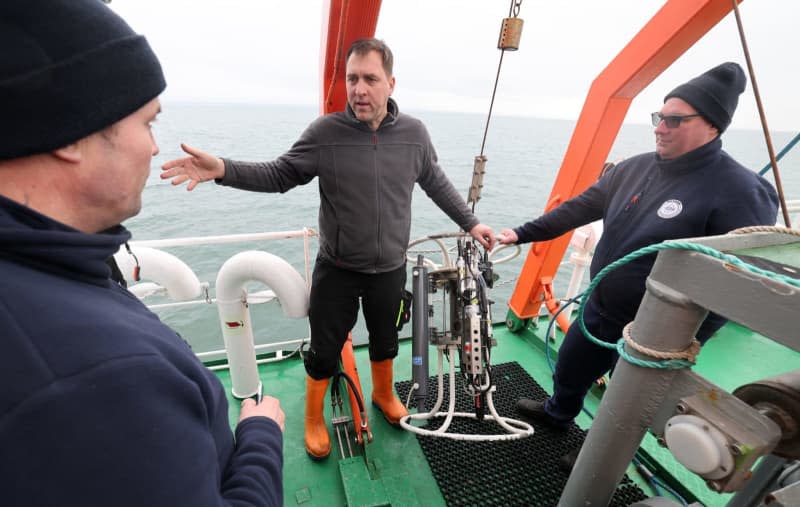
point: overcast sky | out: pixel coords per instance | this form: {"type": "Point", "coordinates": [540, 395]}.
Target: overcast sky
{"type": "Point", "coordinates": [266, 51]}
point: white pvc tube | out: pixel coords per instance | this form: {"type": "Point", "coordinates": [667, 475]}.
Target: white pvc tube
{"type": "Point", "coordinates": [516, 429]}
{"type": "Point", "coordinates": [234, 312]}
{"type": "Point", "coordinates": [162, 268]}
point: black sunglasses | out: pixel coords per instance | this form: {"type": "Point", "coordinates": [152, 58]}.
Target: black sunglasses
{"type": "Point", "coordinates": [671, 121]}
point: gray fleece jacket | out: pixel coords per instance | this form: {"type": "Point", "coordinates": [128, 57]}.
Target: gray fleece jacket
{"type": "Point", "coordinates": [366, 179]}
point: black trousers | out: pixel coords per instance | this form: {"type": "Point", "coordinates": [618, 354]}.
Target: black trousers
{"type": "Point", "coordinates": [581, 362]}
{"type": "Point", "coordinates": [333, 311]}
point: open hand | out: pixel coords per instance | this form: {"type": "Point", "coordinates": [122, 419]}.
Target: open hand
{"type": "Point", "coordinates": [198, 167]}
{"type": "Point", "coordinates": [507, 237]}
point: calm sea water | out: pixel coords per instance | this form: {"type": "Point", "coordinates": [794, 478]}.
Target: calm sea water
{"type": "Point", "coordinates": [524, 155]}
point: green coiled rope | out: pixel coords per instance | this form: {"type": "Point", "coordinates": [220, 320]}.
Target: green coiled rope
{"type": "Point", "coordinates": [669, 364]}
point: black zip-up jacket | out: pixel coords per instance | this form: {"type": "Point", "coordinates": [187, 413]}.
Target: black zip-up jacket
{"type": "Point", "coordinates": [366, 180]}
{"type": "Point", "coordinates": [645, 200]}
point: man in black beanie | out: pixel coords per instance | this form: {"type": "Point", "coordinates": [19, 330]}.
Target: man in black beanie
{"type": "Point", "coordinates": [688, 188]}
{"type": "Point", "coordinates": [714, 94]}
{"type": "Point", "coordinates": [101, 404]}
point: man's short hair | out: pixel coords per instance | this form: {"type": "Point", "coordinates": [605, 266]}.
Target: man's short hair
{"type": "Point", "coordinates": [362, 47]}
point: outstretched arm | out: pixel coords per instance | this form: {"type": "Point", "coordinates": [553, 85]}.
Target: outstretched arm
{"type": "Point", "coordinates": [197, 168]}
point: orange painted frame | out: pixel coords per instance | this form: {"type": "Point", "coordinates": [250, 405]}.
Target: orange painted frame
{"type": "Point", "coordinates": [673, 30]}
{"type": "Point", "coordinates": [343, 21]}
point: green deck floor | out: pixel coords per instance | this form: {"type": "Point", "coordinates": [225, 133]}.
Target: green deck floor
{"type": "Point", "coordinates": [737, 356]}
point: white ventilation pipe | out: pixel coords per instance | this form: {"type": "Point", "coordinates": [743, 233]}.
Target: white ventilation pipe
{"type": "Point", "coordinates": [160, 267]}
{"type": "Point", "coordinates": [234, 312]}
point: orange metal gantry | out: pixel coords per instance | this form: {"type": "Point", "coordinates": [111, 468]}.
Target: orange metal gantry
{"type": "Point", "coordinates": [671, 31]}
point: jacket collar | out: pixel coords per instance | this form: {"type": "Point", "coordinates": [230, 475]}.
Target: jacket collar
{"type": "Point", "coordinates": [392, 112]}
{"type": "Point", "coordinates": [30, 238]}
{"type": "Point", "coordinates": [699, 158]}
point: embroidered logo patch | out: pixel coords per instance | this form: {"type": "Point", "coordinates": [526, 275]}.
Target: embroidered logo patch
{"type": "Point", "coordinates": [670, 209]}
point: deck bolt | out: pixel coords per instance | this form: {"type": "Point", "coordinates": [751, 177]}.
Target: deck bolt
{"type": "Point", "coordinates": [681, 408]}
{"type": "Point", "coordinates": [714, 486]}
{"type": "Point", "coordinates": [661, 441]}
{"type": "Point", "coordinates": [736, 449]}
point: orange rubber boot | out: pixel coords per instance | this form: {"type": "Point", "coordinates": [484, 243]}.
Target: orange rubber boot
{"type": "Point", "coordinates": [318, 442]}
{"type": "Point", "coordinates": [382, 393]}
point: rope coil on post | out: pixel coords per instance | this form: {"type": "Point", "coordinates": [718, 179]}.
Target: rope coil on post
{"type": "Point", "coordinates": [671, 364]}
{"type": "Point", "coordinates": [689, 354]}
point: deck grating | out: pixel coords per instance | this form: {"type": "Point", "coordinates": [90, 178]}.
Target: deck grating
{"type": "Point", "coordinates": [508, 473]}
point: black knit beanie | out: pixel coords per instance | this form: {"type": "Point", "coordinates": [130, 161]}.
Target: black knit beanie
{"type": "Point", "coordinates": [68, 68]}
{"type": "Point", "coordinates": [714, 94]}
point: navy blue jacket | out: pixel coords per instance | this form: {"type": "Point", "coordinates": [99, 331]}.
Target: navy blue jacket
{"type": "Point", "coordinates": [101, 404]}
{"type": "Point", "coordinates": [645, 200]}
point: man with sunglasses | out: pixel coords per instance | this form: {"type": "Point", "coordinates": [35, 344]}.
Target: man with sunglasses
{"type": "Point", "coordinates": [688, 187]}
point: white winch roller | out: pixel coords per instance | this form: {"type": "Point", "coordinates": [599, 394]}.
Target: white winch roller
{"type": "Point", "coordinates": [234, 313]}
